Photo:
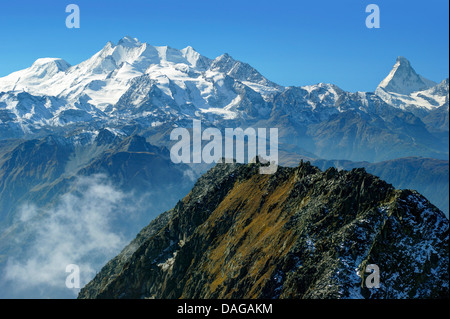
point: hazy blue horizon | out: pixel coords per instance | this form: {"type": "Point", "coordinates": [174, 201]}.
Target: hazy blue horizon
{"type": "Point", "coordinates": [290, 42]}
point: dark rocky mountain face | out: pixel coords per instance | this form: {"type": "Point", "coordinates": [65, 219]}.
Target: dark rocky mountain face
{"type": "Point", "coordinates": [300, 233]}
{"type": "Point", "coordinates": [428, 176]}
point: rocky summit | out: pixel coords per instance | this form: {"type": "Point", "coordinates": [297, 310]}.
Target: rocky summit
{"type": "Point", "coordinates": [299, 233]}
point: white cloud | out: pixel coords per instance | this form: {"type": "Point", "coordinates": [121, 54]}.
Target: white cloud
{"type": "Point", "coordinates": [78, 230]}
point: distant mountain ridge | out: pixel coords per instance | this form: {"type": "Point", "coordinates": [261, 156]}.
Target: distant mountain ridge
{"type": "Point", "coordinates": [134, 83]}
{"type": "Point", "coordinates": [39, 170]}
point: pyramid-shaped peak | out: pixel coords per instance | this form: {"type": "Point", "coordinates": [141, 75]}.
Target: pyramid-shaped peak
{"type": "Point", "coordinates": [403, 60]}
{"type": "Point", "coordinates": [403, 79]}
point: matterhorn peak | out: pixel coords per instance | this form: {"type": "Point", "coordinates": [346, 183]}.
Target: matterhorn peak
{"type": "Point", "coordinates": [403, 79]}
{"type": "Point", "coordinates": [403, 60]}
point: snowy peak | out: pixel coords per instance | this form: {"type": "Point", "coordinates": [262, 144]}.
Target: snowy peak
{"type": "Point", "coordinates": [40, 71]}
{"type": "Point", "coordinates": [58, 64]}
{"type": "Point", "coordinates": [130, 42]}
{"type": "Point", "coordinates": [239, 70]}
{"type": "Point", "coordinates": [133, 78]}
{"type": "Point", "coordinates": [127, 50]}
{"type": "Point", "coordinates": [194, 58]}
{"type": "Point", "coordinates": [441, 89]}
{"type": "Point", "coordinates": [401, 60]}
{"type": "Point", "coordinates": [403, 79]}
{"type": "Point", "coordinates": [143, 55]}
{"type": "Point", "coordinates": [45, 68]}
{"type": "Point", "coordinates": [405, 89]}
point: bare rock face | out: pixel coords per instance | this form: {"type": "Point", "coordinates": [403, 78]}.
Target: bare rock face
{"type": "Point", "coordinates": [300, 233]}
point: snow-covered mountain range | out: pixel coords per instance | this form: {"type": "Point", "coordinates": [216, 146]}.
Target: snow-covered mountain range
{"type": "Point", "coordinates": [134, 83]}
{"type": "Point", "coordinates": [52, 92]}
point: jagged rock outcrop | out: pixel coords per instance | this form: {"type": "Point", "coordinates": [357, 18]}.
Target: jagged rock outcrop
{"type": "Point", "coordinates": [299, 233]}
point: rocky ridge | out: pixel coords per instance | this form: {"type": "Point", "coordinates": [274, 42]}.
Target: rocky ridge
{"type": "Point", "coordinates": [300, 233]}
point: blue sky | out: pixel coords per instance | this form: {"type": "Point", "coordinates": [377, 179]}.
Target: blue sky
{"type": "Point", "coordinates": [291, 42]}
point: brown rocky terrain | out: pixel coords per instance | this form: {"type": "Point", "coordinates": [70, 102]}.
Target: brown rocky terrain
{"type": "Point", "coordinates": [299, 233]}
